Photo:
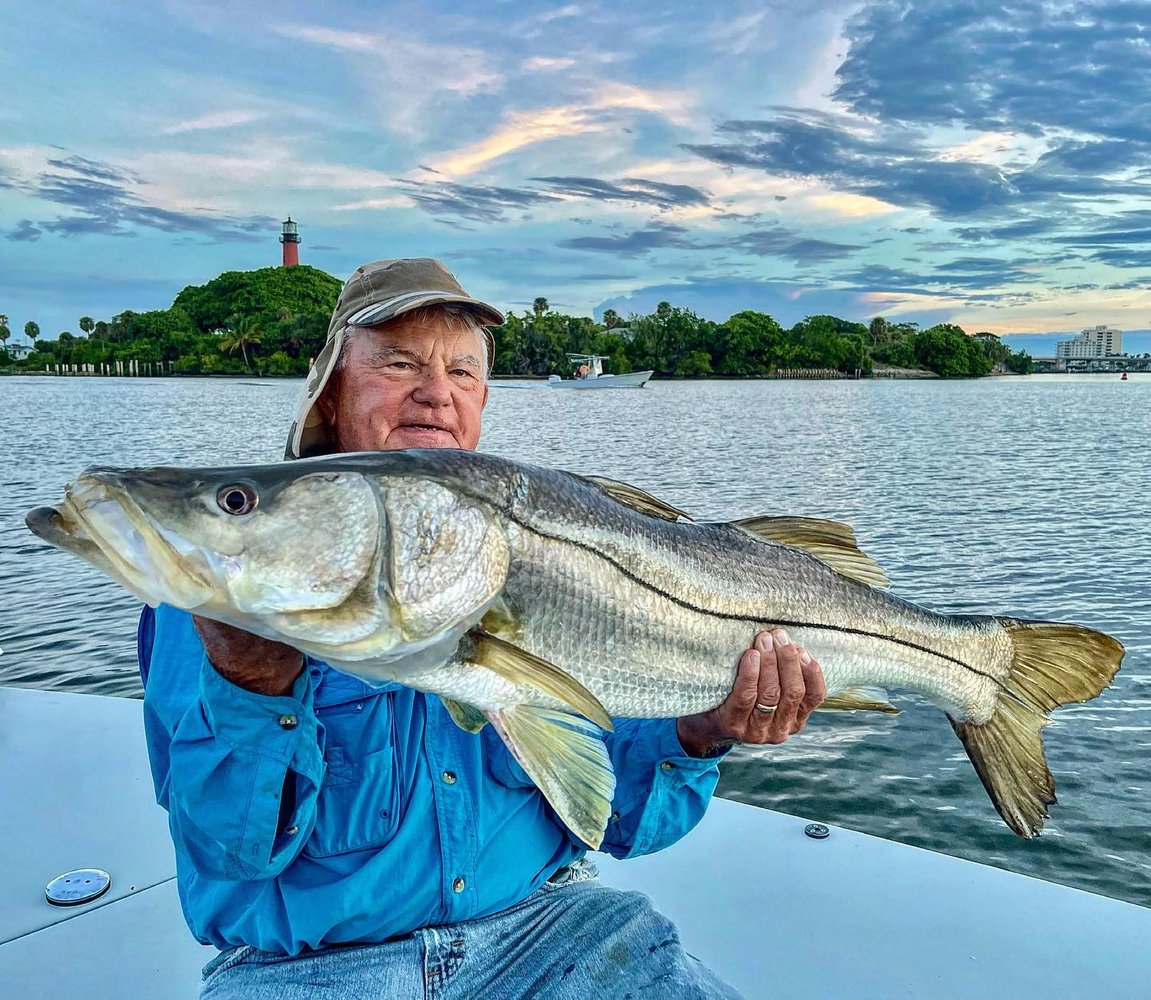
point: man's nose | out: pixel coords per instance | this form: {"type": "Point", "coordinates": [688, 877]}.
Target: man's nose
{"type": "Point", "coordinates": [435, 388]}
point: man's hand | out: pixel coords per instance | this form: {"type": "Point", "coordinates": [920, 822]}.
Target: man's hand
{"type": "Point", "coordinates": [773, 672]}
{"type": "Point", "coordinates": [249, 661]}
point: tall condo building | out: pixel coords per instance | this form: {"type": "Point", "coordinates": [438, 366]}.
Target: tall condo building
{"type": "Point", "coordinates": [1094, 342]}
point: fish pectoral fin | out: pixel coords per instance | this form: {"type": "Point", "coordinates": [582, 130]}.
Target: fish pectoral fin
{"type": "Point", "coordinates": [858, 699]}
{"type": "Point", "coordinates": [565, 757]}
{"type": "Point", "coordinates": [637, 499]}
{"type": "Point", "coordinates": [521, 667]}
{"type": "Point", "coordinates": [469, 718]}
{"type": "Point", "coordinates": [832, 541]}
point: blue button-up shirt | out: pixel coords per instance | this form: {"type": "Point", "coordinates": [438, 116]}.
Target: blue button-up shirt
{"type": "Point", "coordinates": [344, 812]}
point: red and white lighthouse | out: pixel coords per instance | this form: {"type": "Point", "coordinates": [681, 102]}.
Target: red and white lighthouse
{"type": "Point", "coordinates": [290, 237]}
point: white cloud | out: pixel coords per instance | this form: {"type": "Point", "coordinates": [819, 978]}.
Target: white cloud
{"type": "Point", "coordinates": [545, 64]}
{"type": "Point", "coordinates": [214, 119]}
{"type": "Point", "coordinates": [403, 78]}
{"type": "Point", "coordinates": [600, 113]}
{"type": "Point", "coordinates": [739, 34]}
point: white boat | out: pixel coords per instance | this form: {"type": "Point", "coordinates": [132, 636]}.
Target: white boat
{"type": "Point", "coordinates": [589, 374]}
{"type": "Point", "coordinates": [775, 911]}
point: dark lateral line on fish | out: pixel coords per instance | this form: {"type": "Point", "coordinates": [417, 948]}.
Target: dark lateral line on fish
{"type": "Point", "coordinates": [745, 618]}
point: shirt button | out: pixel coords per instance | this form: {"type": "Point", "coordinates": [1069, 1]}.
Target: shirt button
{"type": "Point", "coordinates": [449, 778]}
{"type": "Point", "coordinates": [667, 765]}
{"type": "Point", "coordinates": [292, 831]}
{"type": "Point", "coordinates": [288, 721]}
{"type": "Point", "coordinates": [458, 885]}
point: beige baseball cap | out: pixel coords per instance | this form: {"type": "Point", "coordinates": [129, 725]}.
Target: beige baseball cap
{"type": "Point", "coordinates": [376, 293]}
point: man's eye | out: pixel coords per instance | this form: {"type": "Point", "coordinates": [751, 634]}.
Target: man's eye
{"type": "Point", "coordinates": [400, 364]}
{"type": "Point", "coordinates": [464, 371]}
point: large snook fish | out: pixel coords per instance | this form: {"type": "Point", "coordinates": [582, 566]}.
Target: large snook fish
{"type": "Point", "coordinates": [538, 600]}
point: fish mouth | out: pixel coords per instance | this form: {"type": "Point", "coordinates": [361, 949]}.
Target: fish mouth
{"type": "Point", "coordinates": [100, 522]}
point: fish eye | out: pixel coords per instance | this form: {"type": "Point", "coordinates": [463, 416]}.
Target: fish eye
{"type": "Point", "coordinates": [237, 499]}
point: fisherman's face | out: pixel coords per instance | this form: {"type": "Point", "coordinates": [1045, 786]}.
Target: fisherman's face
{"type": "Point", "coordinates": [411, 383]}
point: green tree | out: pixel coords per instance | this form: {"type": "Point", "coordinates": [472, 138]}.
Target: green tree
{"type": "Point", "coordinates": [611, 319]}
{"type": "Point", "coordinates": [5, 333]}
{"type": "Point", "coordinates": [540, 306]}
{"type": "Point", "coordinates": [86, 325]}
{"type": "Point", "coordinates": [242, 334]}
{"type": "Point", "coordinates": [819, 343]}
{"type": "Point", "coordinates": [947, 350]}
{"type": "Point", "coordinates": [879, 330]}
{"type": "Point", "coordinates": [280, 364]}
{"type": "Point", "coordinates": [32, 330]}
{"type": "Point", "coordinates": [751, 343]}
{"type": "Point", "coordinates": [1019, 363]}
{"type": "Point", "coordinates": [262, 294]}
{"type": "Point", "coordinates": [997, 352]}
{"type": "Point", "coordinates": [696, 363]}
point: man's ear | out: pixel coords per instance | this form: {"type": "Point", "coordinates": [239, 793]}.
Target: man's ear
{"type": "Point", "coordinates": [326, 404]}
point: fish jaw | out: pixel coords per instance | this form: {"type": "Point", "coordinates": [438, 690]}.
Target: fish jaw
{"type": "Point", "coordinates": [154, 564]}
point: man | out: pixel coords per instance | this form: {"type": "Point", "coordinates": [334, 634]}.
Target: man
{"type": "Point", "coordinates": [339, 840]}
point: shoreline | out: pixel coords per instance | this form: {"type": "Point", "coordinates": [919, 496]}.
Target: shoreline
{"type": "Point", "coordinates": [784, 374]}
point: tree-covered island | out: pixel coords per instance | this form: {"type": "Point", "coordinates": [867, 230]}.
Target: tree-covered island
{"type": "Point", "coordinates": [272, 321]}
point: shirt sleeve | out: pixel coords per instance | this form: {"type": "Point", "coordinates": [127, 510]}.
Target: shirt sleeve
{"type": "Point", "coordinates": [223, 759]}
{"type": "Point", "coordinates": [661, 792]}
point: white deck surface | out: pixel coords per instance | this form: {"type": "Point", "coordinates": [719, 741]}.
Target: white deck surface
{"type": "Point", "coordinates": [776, 913]}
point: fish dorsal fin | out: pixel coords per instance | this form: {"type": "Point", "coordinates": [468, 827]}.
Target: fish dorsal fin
{"type": "Point", "coordinates": [637, 499]}
{"type": "Point", "coordinates": [521, 667]}
{"type": "Point", "coordinates": [832, 541]}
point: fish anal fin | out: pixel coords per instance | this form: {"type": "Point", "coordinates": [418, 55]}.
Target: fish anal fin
{"type": "Point", "coordinates": [858, 699]}
{"type": "Point", "coordinates": [567, 760]}
{"type": "Point", "coordinates": [637, 499]}
{"type": "Point", "coordinates": [832, 541]}
{"type": "Point", "coordinates": [467, 717]}
{"type": "Point", "coordinates": [1052, 664]}
{"type": "Point", "coordinates": [521, 667]}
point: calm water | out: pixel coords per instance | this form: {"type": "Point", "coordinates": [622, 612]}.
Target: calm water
{"type": "Point", "coordinates": [1012, 496]}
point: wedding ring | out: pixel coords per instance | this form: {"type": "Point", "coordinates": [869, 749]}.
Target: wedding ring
{"type": "Point", "coordinates": [766, 709]}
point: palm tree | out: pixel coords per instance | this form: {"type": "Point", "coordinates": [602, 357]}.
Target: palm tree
{"type": "Point", "coordinates": [86, 324]}
{"type": "Point", "coordinates": [610, 319]}
{"type": "Point", "coordinates": [5, 333]}
{"type": "Point", "coordinates": [242, 334]}
{"type": "Point", "coordinates": [663, 310]}
{"type": "Point", "coordinates": [31, 330]}
{"type": "Point", "coordinates": [879, 330]}
{"type": "Point", "coordinates": [540, 306]}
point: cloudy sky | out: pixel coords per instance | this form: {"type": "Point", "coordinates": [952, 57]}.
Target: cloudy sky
{"type": "Point", "coordinates": [987, 163]}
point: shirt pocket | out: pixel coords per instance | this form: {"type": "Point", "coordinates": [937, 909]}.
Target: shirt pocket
{"type": "Point", "coordinates": [357, 807]}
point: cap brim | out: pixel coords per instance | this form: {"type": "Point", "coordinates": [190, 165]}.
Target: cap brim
{"type": "Point", "coordinates": [381, 312]}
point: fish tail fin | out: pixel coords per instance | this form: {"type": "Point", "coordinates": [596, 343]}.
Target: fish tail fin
{"type": "Point", "coordinates": [1052, 664]}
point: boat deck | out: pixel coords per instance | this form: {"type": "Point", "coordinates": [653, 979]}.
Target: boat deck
{"type": "Point", "coordinates": [777, 913]}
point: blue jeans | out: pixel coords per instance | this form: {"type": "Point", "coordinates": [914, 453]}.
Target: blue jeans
{"type": "Point", "coordinates": [572, 939]}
